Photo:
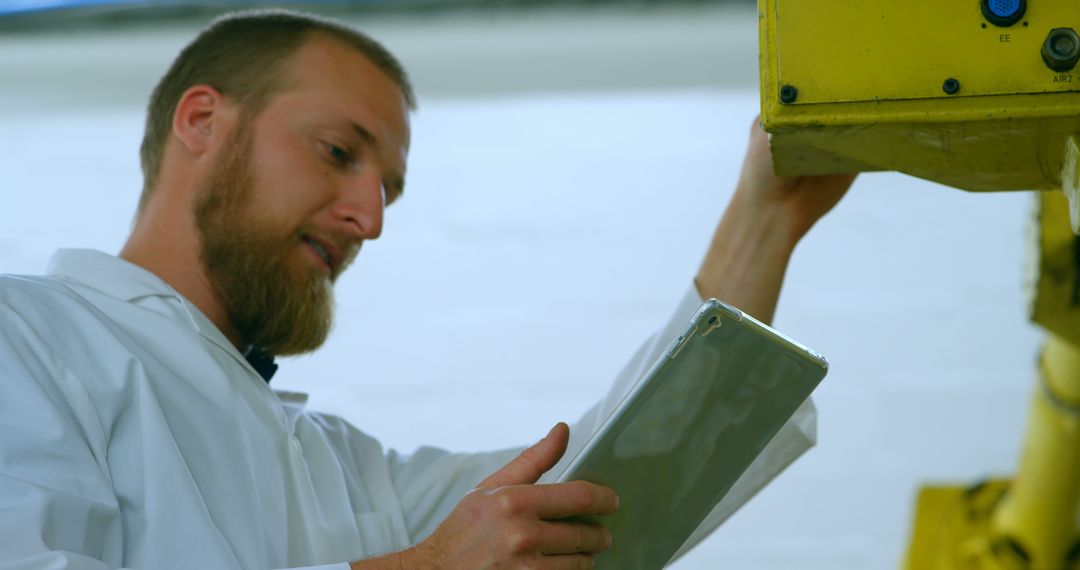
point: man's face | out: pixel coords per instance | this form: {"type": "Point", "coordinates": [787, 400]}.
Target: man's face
{"type": "Point", "coordinates": [296, 190]}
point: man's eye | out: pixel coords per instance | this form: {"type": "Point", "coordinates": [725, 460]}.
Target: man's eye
{"type": "Point", "coordinates": [340, 155]}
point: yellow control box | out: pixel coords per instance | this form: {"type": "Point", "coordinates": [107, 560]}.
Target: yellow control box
{"type": "Point", "coordinates": [979, 95]}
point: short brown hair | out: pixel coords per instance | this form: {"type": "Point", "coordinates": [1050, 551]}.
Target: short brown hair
{"type": "Point", "coordinates": [241, 55]}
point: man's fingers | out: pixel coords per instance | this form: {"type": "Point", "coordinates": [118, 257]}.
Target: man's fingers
{"type": "Point", "coordinates": [526, 468]}
{"type": "Point", "coordinates": [562, 500]}
{"type": "Point", "coordinates": [574, 538]}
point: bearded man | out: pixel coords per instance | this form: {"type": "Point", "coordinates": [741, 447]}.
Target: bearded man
{"type": "Point", "coordinates": [137, 425]}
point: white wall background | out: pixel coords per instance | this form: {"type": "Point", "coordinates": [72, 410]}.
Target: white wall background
{"type": "Point", "coordinates": [562, 189]}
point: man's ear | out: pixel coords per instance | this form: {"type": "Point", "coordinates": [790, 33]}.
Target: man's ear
{"type": "Point", "coordinates": [201, 114]}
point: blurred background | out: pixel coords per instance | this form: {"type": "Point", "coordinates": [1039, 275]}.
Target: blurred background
{"type": "Point", "coordinates": [569, 163]}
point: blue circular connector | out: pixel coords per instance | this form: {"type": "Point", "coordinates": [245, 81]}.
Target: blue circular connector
{"type": "Point", "coordinates": [1004, 8]}
{"type": "Point", "coordinates": [1004, 13]}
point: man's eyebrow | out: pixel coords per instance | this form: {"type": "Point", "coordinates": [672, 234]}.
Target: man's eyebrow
{"type": "Point", "coordinates": [365, 134]}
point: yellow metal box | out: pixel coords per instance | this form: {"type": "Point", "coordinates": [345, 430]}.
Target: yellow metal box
{"type": "Point", "coordinates": [934, 88]}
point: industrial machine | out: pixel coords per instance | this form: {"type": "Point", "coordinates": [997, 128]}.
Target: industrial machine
{"type": "Point", "coordinates": [981, 95]}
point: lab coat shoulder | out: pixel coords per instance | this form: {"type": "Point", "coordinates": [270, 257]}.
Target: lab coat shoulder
{"type": "Point", "coordinates": [44, 305]}
{"type": "Point", "coordinates": [52, 465]}
{"type": "Point", "coordinates": [45, 347]}
{"type": "Point", "coordinates": [68, 341]}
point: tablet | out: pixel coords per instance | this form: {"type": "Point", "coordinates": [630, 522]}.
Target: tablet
{"type": "Point", "coordinates": [690, 426]}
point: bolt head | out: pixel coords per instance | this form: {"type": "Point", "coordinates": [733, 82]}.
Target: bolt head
{"type": "Point", "coordinates": [788, 94]}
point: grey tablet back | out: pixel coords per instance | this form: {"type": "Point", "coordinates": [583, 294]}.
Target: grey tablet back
{"type": "Point", "coordinates": [690, 427]}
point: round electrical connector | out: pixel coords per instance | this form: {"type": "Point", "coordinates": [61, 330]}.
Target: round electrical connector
{"type": "Point", "coordinates": [1061, 49]}
{"type": "Point", "coordinates": [1004, 13]}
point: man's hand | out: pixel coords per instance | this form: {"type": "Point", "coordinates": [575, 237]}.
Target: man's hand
{"type": "Point", "coordinates": [508, 522]}
{"type": "Point", "coordinates": [801, 200]}
{"type": "Point", "coordinates": [765, 220]}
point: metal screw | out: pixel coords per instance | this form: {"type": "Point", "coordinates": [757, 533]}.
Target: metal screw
{"type": "Point", "coordinates": [951, 86]}
{"type": "Point", "coordinates": [788, 94]}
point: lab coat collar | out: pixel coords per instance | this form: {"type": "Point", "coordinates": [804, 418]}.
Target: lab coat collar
{"type": "Point", "coordinates": [109, 274]}
{"type": "Point", "coordinates": [125, 281]}
{"type": "Point", "coordinates": [128, 282]}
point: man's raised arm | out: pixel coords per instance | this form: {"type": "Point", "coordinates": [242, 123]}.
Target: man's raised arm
{"type": "Point", "coordinates": [764, 221]}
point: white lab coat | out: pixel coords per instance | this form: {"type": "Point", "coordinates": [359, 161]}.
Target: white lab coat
{"type": "Point", "coordinates": [134, 435]}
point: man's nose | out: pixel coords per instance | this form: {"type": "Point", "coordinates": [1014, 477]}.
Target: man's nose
{"type": "Point", "coordinates": [360, 206]}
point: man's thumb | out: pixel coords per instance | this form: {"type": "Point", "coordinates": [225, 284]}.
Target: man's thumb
{"type": "Point", "coordinates": [526, 468]}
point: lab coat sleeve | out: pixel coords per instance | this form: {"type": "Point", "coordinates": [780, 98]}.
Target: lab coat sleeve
{"type": "Point", "coordinates": [431, 482]}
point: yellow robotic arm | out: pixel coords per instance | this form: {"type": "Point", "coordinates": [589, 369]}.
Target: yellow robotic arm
{"type": "Point", "coordinates": [981, 95]}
